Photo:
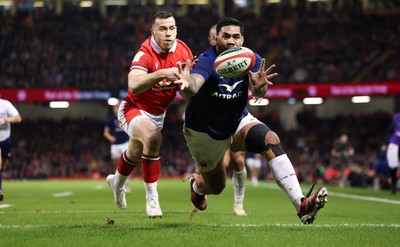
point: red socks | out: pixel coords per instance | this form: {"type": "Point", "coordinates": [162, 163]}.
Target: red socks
{"type": "Point", "coordinates": [151, 167]}
{"type": "Point", "coordinates": [125, 166]}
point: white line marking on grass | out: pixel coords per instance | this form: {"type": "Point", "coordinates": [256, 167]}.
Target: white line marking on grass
{"type": "Point", "coordinates": [5, 205]}
{"type": "Point", "coordinates": [63, 194]}
{"type": "Point", "coordinates": [365, 198]}
{"type": "Point", "coordinates": [301, 225]}
{"type": "Point", "coordinates": [220, 225]}
{"type": "Point", "coordinates": [344, 195]}
{"type": "Point", "coordinates": [91, 211]}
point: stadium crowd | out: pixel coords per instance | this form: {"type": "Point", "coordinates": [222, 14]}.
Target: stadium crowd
{"type": "Point", "coordinates": [42, 49]}
{"type": "Point", "coordinates": [39, 49]}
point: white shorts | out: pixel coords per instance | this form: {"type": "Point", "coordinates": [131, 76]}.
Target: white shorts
{"type": "Point", "coordinates": [253, 162]}
{"type": "Point", "coordinates": [208, 152]}
{"type": "Point", "coordinates": [118, 149]}
{"type": "Point", "coordinates": [128, 116]}
{"type": "Point", "coordinates": [392, 155]}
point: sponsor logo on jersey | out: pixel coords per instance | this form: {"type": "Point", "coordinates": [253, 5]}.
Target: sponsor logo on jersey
{"type": "Point", "coordinates": [165, 85]}
{"type": "Point", "coordinates": [165, 82]}
{"type": "Point", "coordinates": [229, 89]}
{"type": "Point", "coordinates": [227, 96]}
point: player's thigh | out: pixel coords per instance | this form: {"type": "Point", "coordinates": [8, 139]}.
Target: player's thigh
{"type": "Point", "coordinates": [239, 138]}
{"type": "Point", "coordinates": [215, 180]}
{"type": "Point", "coordinates": [145, 130]}
{"type": "Point", "coordinates": [206, 152]}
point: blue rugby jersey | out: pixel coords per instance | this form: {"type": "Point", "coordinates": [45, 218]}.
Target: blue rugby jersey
{"type": "Point", "coordinates": [220, 103]}
{"type": "Point", "coordinates": [393, 134]}
{"type": "Point", "coordinates": [116, 131]}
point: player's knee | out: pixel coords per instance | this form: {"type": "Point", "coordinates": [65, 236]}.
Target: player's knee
{"type": "Point", "coordinates": [261, 139]}
{"type": "Point", "coordinates": [153, 139]}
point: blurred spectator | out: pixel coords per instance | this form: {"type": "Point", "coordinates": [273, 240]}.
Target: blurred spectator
{"type": "Point", "coordinates": [342, 156]}
{"type": "Point", "coordinates": [381, 170]}
{"type": "Point", "coordinates": [254, 163]}
{"type": "Point", "coordinates": [41, 49]}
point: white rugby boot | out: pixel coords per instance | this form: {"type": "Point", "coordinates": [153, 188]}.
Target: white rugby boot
{"type": "Point", "coordinates": [119, 193]}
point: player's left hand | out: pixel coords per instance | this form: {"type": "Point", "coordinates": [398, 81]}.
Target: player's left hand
{"type": "Point", "coordinates": [260, 80]}
{"type": "Point", "coordinates": [184, 73]}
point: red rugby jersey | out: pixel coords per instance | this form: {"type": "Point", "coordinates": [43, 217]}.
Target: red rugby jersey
{"type": "Point", "coordinates": [150, 58]}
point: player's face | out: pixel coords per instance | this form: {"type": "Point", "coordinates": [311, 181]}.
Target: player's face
{"type": "Point", "coordinates": [164, 32]}
{"type": "Point", "coordinates": [228, 37]}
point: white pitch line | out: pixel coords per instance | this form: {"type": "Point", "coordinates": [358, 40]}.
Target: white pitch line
{"type": "Point", "coordinates": [221, 225]}
{"type": "Point", "coordinates": [90, 211]}
{"type": "Point", "coordinates": [5, 205]}
{"type": "Point", "coordinates": [364, 198]}
{"type": "Point", "coordinates": [302, 225]}
{"type": "Point", "coordinates": [63, 194]}
{"type": "Point", "coordinates": [344, 195]}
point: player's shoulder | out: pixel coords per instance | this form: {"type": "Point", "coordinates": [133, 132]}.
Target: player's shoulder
{"type": "Point", "coordinates": [5, 102]}
{"type": "Point", "coordinates": [182, 43]}
{"type": "Point", "coordinates": [183, 48]}
{"type": "Point", "coordinates": [208, 55]}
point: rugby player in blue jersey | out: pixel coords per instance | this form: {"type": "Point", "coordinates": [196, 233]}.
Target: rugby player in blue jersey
{"type": "Point", "coordinates": [217, 120]}
{"type": "Point", "coordinates": [392, 145]}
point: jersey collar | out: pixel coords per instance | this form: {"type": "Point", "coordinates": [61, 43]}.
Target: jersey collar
{"type": "Point", "coordinates": [158, 49]}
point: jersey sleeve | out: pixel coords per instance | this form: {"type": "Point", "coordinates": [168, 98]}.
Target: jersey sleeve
{"type": "Point", "coordinates": [11, 110]}
{"type": "Point", "coordinates": [257, 65]}
{"type": "Point", "coordinates": [141, 61]}
{"type": "Point", "coordinates": [204, 67]}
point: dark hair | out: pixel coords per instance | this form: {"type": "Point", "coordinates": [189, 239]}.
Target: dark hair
{"type": "Point", "coordinates": [161, 15]}
{"type": "Point", "coordinates": [229, 21]}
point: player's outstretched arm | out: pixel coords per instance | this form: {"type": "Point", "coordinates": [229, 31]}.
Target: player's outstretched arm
{"type": "Point", "coordinates": [260, 80]}
{"type": "Point", "coordinates": [139, 80]}
{"type": "Point", "coordinates": [190, 83]}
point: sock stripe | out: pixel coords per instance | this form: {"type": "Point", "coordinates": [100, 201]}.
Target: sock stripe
{"type": "Point", "coordinates": [148, 157]}
{"type": "Point", "coordinates": [128, 160]}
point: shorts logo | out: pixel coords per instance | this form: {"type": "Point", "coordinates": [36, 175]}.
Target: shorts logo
{"type": "Point", "coordinates": [203, 164]}
{"type": "Point", "coordinates": [165, 82]}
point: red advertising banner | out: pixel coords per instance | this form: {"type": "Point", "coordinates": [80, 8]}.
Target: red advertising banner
{"type": "Point", "coordinates": [46, 95]}
{"type": "Point", "coordinates": [332, 90]}
{"type": "Point", "coordinates": [274, 92]}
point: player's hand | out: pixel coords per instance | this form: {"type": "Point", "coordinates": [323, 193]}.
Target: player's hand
{"type": "Point", "coordinates": [192, 63]}
{"type": "Point", "coordinates": [183, 74]}
{"type": "Point", "coordinates": [260, 80]}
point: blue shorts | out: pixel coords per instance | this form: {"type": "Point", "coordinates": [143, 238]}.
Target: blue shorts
{"type": "Point", "coordinates": [5, 148]}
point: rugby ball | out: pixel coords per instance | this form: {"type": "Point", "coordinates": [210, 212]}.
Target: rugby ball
{"type": "Point", "coordinates": [234, 62]}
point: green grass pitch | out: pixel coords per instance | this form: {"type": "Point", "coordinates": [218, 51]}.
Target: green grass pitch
{"type": "Point", "coordinates": [75, 213]}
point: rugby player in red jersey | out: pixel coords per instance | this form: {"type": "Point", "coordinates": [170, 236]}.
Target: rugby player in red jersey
{"type": "Point", "coordinates": [151, 89]}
